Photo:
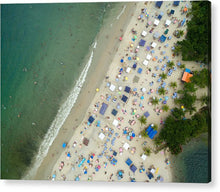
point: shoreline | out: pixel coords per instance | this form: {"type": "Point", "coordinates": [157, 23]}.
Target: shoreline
{"type": "Point", "coordinates": [67, 130]}
{"type": "Point", "coordinates": [80, 130]}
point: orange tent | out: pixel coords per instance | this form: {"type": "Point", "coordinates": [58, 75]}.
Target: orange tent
{"type": "Point", "coordinates": [185, 9]}
{"type": "Point", "coordinates": [186, 77]}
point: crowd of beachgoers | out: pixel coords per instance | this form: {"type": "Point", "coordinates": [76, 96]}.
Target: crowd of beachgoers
{"type": "Point", "coordinates": [108, 146]}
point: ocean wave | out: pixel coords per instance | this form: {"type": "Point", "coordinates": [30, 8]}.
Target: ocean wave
{"type": "Point", "coordinates": [124, 7]}
{"type": "Point", "coordinates": [59, 120]}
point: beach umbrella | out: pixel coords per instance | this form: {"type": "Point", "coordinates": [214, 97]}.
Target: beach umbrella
{"type": "Point", "coordinates": [167, 45]}
{"type": "Point", "coordinates": [64, 145]}
{"type": "Point", "coordinates": [131, 45]}
{"type": "Point", "coordinates": [148, 48]}
{"type": "Point", "coordinates": [163, 52]}
{"type": "Point", "coordinates": [126, 78]}
{"type": "Point", "coordinates": [167, 57]}
{"type": "Point", "coordinates": [122, 60]}
{"type": "Point", "coordinates": [129, 58]}
{"type": "Point", "coordinates": [120, 38]}
{"type": "Point", "coordinates": [164, 102]}
{"type": "Point", "coordinates": [156, 57]}
{"type": "Point", "coordinates": [160, 60]}
{"type": "Point", "coordinates": [135, 37]}
{"type": "Point", "coordinates": [149, 22]}
{"type": "Point", "coordinates": [134, 66]}
{"type": "Point", "coordinates": [173, 48]}
{"type": "Point", "coordinates": [156, 35]}
{"type": "Point", "coordinates": [137, 58]}
{"type": "Point", "coordinates": [166, 98]}
{"type": "Point", "coordinates": [142, 97]}
{"type": "Point", "coordinates": [170, 37]}
{"type": "Point", "coordinates": [97, 89]}
{"type": "Point", "coordinates": [152, 51]}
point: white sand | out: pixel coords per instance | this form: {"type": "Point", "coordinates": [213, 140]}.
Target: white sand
{"type": "Point", "coordinates": [70, 169]}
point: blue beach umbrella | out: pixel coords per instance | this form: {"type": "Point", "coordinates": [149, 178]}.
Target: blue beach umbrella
{"type": "Point", "coordinates": [64, 145]}
{"type": "Point", "coordinates": [142, 97]}
{"type": "Point", "coordinates": [122, 60]}
{"type": "Point", "coordinates": [129, 58]}
{"type": "Point", "coordinates": [152, 51]}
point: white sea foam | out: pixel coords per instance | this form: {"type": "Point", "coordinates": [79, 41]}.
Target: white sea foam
{"type": "Point", "coordinates": [59, 120]}
{"type": "Point", "coordinates": [124, 7]}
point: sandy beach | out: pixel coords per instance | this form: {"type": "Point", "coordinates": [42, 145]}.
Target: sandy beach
{"type": "Point", "coordinates": [127, 90]}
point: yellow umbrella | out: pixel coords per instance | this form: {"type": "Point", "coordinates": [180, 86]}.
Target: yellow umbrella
{"type": "Point", "coordinates": [126, 78]}
{"type": "Point", "coordinates": [131, 45]}
{"type": "Point", "coordinates": [182, 106]}
{"type": "Point", "coordinates": [156, 170]}
{"type": "Point", "coordinates": [137, 58]}
{"type": "Point", "coordinates": [97, 89]}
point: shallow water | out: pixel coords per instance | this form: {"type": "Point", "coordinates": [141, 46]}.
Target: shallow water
{"type": "Point", "coordinates": [193, 164]}
{"type": "Point", "coordinates": [43, 49]}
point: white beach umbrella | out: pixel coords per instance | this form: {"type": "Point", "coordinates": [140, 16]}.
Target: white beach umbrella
{"type": "Point", "coordinates": [148, 57]}
{"type": "Point", "coordinates": [156, 22]}
{"type": "Point", "coordinates": [101, 136]}
{"type": "Point", "coordinates": [144, 33]}
{"type": "Point", "coordinates": [115, 123]}
{"type": "Point", "coordinates": [153, 44]}
{"type": "Point", "coordinates": [126, 146]}
{"type": "Point", "coordinates": [167, 22]}
{"type": "Point", "coordinates": [145, 62]}
{"type": "Point", "coordinates": [112, 87]}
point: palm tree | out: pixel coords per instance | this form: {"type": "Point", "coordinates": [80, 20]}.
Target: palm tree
{"type": "Point", "coordinates": [170, 64]}
{"type": "Point", "coordinates": [155, 101]}
{"type": "Point", "coordinates": [182, 66]}
{"type": "Point", "coordinates": [161, 91]}
{"type": "Point", "coordinates": [143, 120]}
{"type": "Point", "coordinates": [181, 33]}
{"type": "Point", "coordinates": [173, 85]}
{"type": "Point", "coordinates": [166, 108]}
{"type": "Point", "coordinates": [163, 76]}
{"type": "Point", "coordinates": [204, 100]}
{"type": "Point", "coordinates": [143, 133]}
{"type": "Point", "coordinates": [147, 151]}
{"type": "Point", "coordinates": [177, 50]}
{"type": "Point", "coordinates": [155, 127]}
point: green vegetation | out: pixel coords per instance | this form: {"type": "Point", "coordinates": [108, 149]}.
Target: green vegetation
{"type": "Point", "coordinates": [163, 76]}
{"type": "Point", "coordinates": [155, 101]}
{"type": "Point", "coordinates": [147, 151]}
{"type": "Point", "coordinates": [204, 100]}
{"type": "Point", "coordinates": [143, 120]}
{"type": "Point", "coordinates": [155, 127]}
{"type": "Point", "coordinates": [173, 85]}
{"type": "Point", "coordinates": [182, 66]}
{"type": "Point", "coordinates": [200, 78]}
{"type": "Point", "coordinates": [197, 45]}
{"type": "Point", "coordinates": [178, 33]}
{"type": "Point", "coordinates": [143, 133]}
{"type": "Point", "coordinates": [178, 131]}
{"type": "Point", "coordinates": [165, 108]}
{"type": "Point", "coordinates": [170, 64]}
{"type": "Point", "coordinates": [161, 91]}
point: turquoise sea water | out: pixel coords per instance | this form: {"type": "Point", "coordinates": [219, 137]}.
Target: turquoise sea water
{"type": "Point", "coordinates": [42, 52]}
{"type": "Point", "coordinates": [193, 164]}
